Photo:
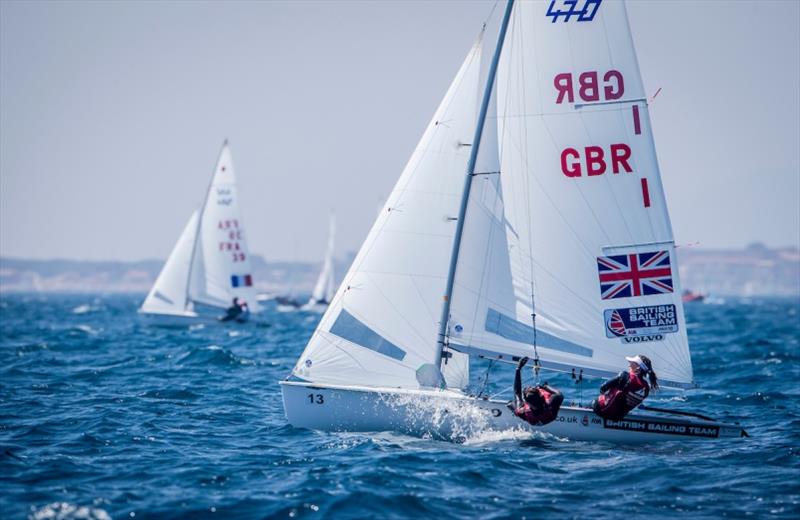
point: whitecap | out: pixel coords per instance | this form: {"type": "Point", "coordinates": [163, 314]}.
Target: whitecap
{"type": "Point", "coordinates": [84, 309]}
{"type": "Point", "coordinates": [67, 511]}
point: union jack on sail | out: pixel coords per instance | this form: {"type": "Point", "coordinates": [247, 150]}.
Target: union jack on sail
{"type": "Point", "coordinates": [635, 274]}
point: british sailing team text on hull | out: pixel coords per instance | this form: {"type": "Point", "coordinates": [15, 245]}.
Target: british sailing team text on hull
{"type": "Point", "coordinates": [556, 245]}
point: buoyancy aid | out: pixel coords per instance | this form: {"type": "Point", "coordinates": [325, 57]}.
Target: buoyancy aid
{"type": "Point", "coordinates": [546, 415]}
{"type": "Point", "coordinates": [618, 402]}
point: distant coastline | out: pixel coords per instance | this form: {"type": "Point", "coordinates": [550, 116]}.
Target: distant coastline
{"type": "Point", "coordinates": [752, 271]}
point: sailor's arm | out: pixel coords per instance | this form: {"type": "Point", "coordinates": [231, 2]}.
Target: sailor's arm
{"type": "Point", "coordinates": [518, 381]}
{"type": "Point", "coordinates": [617, 382]}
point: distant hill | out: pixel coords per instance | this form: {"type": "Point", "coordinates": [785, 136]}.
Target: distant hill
{"type": "Point", "coordinates": [24, 275]}
{"type": "Point", "coordinates": [754, 271]}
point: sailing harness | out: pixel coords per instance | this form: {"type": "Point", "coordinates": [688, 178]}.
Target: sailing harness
{"type": "Point", "coordinates": [616, 403]}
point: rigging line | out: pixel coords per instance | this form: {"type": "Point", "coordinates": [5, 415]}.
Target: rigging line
{"type": "Point", "coordinates": [501, 392]}
{"type": "Point", "coordinates": [491, 14]}
{"type": "Point", "coordinates": [486, 378]}
{"type": "Point", "coordinates": [531, 223]}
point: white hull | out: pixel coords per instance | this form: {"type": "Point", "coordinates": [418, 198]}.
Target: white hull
{"type": "Point", "coordinates": [209, 316]}
{"type": "Point", "coordinates": [318, 308]}
{"type": "Point", "coordinates": [455, 416]}
{"type": "Point", "coordinates": [170, 320]}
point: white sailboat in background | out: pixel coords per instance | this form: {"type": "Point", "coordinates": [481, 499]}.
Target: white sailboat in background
{"type": "Point", "coordinates": [210, 264]}
{"type": "Point", "coordinates": [325, 287]}
{"type": "Point", "coordinates": [557, 246]}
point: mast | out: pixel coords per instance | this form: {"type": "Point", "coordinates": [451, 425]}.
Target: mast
{"type": "Point", "coordinates": [462, 210]}
{"type": "Point", "coordinates": [200, 224]}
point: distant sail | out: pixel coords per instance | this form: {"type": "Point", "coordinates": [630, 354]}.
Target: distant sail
{"type": "Point", "coordinates": [325, 287]}
{"type": "Point", "coordinates": [222, 267]}
{"type": "Point", "coordinates": [210, 263]}
{"type": "Point", "coordinates": [381, 327]}
{"type": "Point", "coordinates": [169, 294]}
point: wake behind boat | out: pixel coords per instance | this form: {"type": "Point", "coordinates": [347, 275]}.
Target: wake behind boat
{"type": "Point", "coordinates": [556, 245]}
{"type": "Point", "coordinates": [209, 266]}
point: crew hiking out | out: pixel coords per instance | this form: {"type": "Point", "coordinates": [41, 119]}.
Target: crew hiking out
{"type": "Point", "coordinates": [625, 392]}
{"type": "Point", "coordinates": [537, 405]}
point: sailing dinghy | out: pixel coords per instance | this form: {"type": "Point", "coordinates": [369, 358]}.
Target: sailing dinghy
{"type": "Point", "coordinates": [325, 287]}
{"type": "Point", "coordinates": [556, 245]}
{"type": "Point", "coordinates": [210, 264]}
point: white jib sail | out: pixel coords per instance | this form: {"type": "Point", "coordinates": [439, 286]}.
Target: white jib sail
{"type": "Point", "coordinates": [221, 268]}
{"type": "Point", "coordinates": [169, 292]}
{"type": "Point", "coordinates": [325, 286]}
{"type": "Point", "coordinates": [381, 328]}
{"type": "Point", "coordinates": [589, 237]}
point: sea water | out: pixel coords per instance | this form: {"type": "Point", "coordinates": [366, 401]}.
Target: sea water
{"type": "Point", "coordinates": [103, 417]}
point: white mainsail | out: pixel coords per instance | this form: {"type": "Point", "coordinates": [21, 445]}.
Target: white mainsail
{"type": "Point", "coordinates": [590, 244]}
{"type": "Point", "coordinates": [325, 287]}
{"type": "Point", "coordinates": [222, 257]}
{"type": "Point", "coordinates": [381, 326]}
{"type": "Point", "coordinates": [210, 263]}
{"type": "Point", "coordinates": [169, 294]}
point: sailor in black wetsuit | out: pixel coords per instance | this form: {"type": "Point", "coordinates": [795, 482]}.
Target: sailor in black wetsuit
{"type": "Point", "coordinates": [537, 405]}
{"type": "Point", "coordinates": [232, 312]}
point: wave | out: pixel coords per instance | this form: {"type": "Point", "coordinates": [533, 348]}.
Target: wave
{"type": "Point", "coordinates": [213, 355]}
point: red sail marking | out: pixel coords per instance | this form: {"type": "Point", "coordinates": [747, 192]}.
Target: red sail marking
{"type": "Point", "coordinates": [645, 194]}
{"type": "Point", "coordinates": [637, 125]}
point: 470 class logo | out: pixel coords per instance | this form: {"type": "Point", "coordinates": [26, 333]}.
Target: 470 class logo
{"type": "Point", "coordinates": [582, 10]}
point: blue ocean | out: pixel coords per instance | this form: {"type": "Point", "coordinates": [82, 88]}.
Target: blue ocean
{"type": "Point", "coordinates": [104, 417]}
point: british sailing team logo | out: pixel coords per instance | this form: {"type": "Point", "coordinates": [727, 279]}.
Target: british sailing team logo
{"type": "Point", "coordinates": [578, 10]}
{"type": "Point", "coordinates": [637, 324]}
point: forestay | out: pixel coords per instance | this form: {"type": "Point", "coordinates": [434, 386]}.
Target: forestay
{"type": "Point", "coordinates": [221, 268]}
{"type": "Point", "coordinates": [589, 241]}
{"type": "Point", "coordinates": [169, 294]}
{"type": "Point", "coordinates": [381, 327]}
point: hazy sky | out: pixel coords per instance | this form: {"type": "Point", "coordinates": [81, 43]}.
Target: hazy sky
{"type": "Point", "coordinates": [112, 115]}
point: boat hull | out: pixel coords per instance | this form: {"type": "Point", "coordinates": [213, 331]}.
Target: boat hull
{"type": "Point", "coordinates": [455, 416]}
{"type": "Point", "coordinates": [206, 317]}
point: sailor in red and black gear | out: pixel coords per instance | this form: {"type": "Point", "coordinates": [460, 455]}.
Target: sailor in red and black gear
{"type": "Point", "coordinates": [537, 405]}
{"type": "Point", "coordinates": [625, 392]}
